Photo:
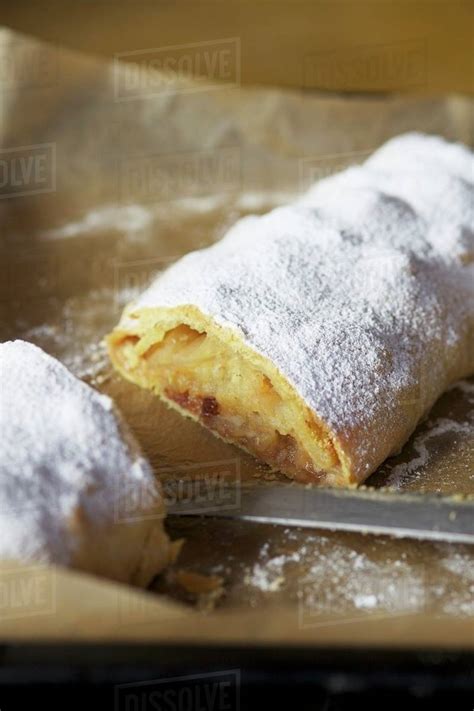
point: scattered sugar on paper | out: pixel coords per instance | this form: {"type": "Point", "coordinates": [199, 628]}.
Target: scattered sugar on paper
{"type": "Point", "coordinates": [269, 577]}
{"type": "Point", "coordinates": [336, 578]}
{"type": "Point", "coordinates": [414, 468]}
{"type": "Point", "coordinates": [128, 218]}
{"type": "Point", "coordinates": [465, 387]}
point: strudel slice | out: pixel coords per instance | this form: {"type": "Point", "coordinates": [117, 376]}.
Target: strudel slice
{"type": "Point", "coordinates": [74, 488]}
{"type": "Point", "coordinates": [317, 336]}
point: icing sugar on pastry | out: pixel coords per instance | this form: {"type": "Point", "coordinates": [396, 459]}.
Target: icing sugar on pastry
{"type": "Point", "coordinates": [361, 293]}
{"type": "Point", "coordinates": [74, 488]}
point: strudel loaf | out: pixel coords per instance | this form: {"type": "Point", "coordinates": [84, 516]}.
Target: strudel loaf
{"type": "Point", "coordinates": [317, 336]}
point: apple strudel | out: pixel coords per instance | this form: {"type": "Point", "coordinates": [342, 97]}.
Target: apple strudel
{"type": "Point", "coordinates": [317, 336]}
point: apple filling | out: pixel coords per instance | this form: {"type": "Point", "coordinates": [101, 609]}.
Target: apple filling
{"type": "Point", "coordinates": [204, 377]}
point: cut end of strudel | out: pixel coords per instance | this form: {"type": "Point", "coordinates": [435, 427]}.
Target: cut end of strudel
{"type": "Point", "coordinates": [317, 336]}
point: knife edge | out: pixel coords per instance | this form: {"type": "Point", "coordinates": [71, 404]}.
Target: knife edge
{"type": "Point", "coordinates": [402, 515]}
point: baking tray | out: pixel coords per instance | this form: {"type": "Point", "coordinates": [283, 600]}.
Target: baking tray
{"type": "Point", "coordinates": [72, 257]}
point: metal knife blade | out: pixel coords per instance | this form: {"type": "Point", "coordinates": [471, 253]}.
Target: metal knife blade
{"type": "Point", "coordinates": [421, 516]}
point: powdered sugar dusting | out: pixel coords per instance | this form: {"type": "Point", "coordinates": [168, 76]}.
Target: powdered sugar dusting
{"type": "Point", "coordinates": [361, 293]}
{"type": "Point", "coordinates": [64, 450]}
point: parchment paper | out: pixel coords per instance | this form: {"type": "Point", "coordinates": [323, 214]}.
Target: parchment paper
{"type": "Point", "coordinates": [133, 185]}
